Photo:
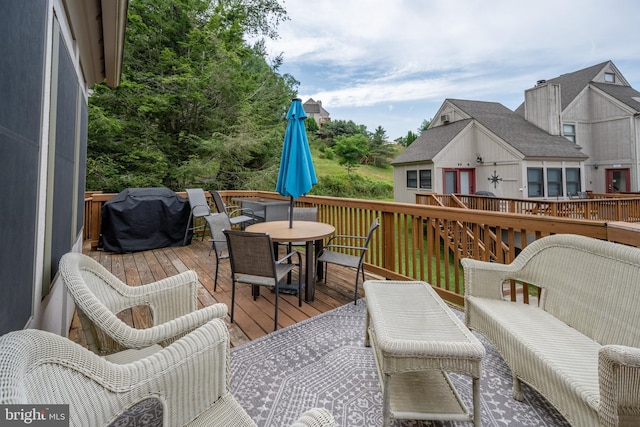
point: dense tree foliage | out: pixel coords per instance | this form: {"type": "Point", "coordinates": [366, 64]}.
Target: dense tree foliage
{"type": "Point", "coordinates": [355, 145]}
{"type": "Point", "coordinates": [197, 103]}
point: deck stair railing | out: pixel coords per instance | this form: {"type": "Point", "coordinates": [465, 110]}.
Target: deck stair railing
{"type": "Point", "coordinates": [598, 207]}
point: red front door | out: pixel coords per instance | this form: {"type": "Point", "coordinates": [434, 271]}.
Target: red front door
{"type": "Point", "coordinates": [618, 180]}
{"type": "Point", "coordinates": [460, 181]}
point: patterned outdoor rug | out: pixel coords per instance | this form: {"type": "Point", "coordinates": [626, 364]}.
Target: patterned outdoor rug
{"type": "Point", "coordinates": [322, 362]}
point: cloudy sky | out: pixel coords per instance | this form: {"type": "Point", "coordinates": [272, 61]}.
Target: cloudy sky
{"type": "Point", "coordinates": [392, 63]}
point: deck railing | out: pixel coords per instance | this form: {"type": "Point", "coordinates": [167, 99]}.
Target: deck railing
{"type": "Point", "coordinates": [419, 242]}
{"type": "Point", "coordinates": [597, 207]}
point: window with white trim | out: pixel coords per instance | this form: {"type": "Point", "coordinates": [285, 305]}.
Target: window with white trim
{"type": "Point", "coordinates": [573, 181]}
{"type": "Point", "coordinates": [535, 182]}
{"type": "Point", "coordinates": [569, 132]}
{"type": "Point", "coordinates": [554, 182]}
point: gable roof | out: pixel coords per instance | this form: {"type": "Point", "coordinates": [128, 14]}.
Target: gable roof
{"type": "Point", "coordinates": [572, 84]}
{"type": "Point", "coordinates": [314, 107]}
{"type": "Point", "coordinates": [431, 142]}
{"type": "Point", "coordinates": [512, 128]}
{"type": "Point", "coordinates": [625, 94]}
{"type": "Point", "coordinates": [524, 136]}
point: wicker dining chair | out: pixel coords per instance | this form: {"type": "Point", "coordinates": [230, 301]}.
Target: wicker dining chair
{"type": "Point", "coordinates": [339, 250]}
{"type": "Point", "coordinates": [99, 296]}
{"type": "Point", "coordinates": [253, 262]}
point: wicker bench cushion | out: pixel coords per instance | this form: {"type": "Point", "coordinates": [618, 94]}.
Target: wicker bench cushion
{"type": "Point", "coordinates": [543, 351]}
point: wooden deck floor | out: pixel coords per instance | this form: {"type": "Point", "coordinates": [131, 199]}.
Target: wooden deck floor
{"type": "Point", "coordinates": [253, 319]}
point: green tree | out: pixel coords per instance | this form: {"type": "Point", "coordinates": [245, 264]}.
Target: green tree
{"type": "Point", "coordinates": [350, 150]}
{"type": "Point", "coordinates": [380, 151]}
{"type": "Point", "coordinates": [311, 126]}
{"type": "Point", "coordinates": [424, 126]}
{"type": "Point", "coordinates": [407, 140]}
{"type": "Point", "coordinates": [331, 130]}
{"type": "Point", "coordinates": [197, 103]}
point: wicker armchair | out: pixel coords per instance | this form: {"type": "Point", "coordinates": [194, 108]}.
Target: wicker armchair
{"type": "Point", "coordinates": [184, 384]}
{"type": "Point", "coordinates": [99, 296]}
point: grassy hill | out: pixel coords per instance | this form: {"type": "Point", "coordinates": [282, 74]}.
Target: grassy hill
{"type": "Point", "coordinates": [365, 182]}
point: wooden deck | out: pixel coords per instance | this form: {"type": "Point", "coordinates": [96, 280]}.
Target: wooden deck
{"type": "Point", "coordinates": [253, 319]}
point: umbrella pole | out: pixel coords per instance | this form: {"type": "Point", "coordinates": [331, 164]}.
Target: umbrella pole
{"type": "Point", "coordinates": [291, 213]}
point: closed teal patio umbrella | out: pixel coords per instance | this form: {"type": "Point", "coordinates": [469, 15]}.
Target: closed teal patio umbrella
{"type": "Point", "coordinates": [297, 174]}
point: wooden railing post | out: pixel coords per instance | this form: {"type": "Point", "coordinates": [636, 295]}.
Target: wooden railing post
{"type": "Point", "coordinates": [388, 226]}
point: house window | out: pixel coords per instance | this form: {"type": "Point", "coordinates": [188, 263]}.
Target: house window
{"type": "Point", "coordinates": [425, 179]}
{"type": "Point", "coordinates": [554, 182]}
{"type": "Point", "coordinates": [609, 77]}
{"type": "Point", "coordinates": [535, 183]}
{"type": "Point", "coordinates": [569, 132]}
{"type": "Point", "coordinates": [573, 181]}
{"type": "Point", "coordinates": [412, 179]}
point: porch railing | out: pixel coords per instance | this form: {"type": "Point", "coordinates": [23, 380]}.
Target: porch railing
{"type": "Point", "coordinates": [597, 207]}
{"type": "Point", "coordinates": [419, 242]}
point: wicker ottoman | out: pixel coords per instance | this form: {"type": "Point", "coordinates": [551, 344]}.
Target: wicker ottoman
{"type": "Point", "coordinates": [416, 340]}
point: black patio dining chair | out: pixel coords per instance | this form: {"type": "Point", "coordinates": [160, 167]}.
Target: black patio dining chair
{"type": "Point", "coordinates": [218, 222]}
{"type": "Point", "coordinates": [301, 214]}
{"type": "Point", "coordinates": [237, 215]}
{"type": "Point", "coordinates": [341, 250]}
{"type": "Point", "coordinates": [253, 262]}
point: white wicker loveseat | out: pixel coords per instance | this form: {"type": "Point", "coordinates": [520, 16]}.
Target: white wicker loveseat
{"type": "Point", "coordinates": [185, 383]}
{"type": "Point", "coordinates": [580, 347]}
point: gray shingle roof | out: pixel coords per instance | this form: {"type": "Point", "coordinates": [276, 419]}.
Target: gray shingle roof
{"type": "Point", "coordinates": [430, 142]}
{"type": "Point", "coordinates": [525, 137]}
{"type": "Point", "coordinates": [572, 84]}
{"type": "Point", "coordinates": [624, 94]}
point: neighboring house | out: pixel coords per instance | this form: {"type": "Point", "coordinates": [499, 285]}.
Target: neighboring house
{"type": "Point", "coordinates": [51, 53]}
{"type": "Point", "coordinates": [578, 132]}
{"type": "Point", "coordinates": [598, 110]}
{"type": "Point", "coordinates": [315, 111]}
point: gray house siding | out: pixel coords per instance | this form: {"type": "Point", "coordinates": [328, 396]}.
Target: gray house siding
{"type": "Point", "coordinates": [51, 52]}
{"type": "Point", "coordinates": [22, 35]}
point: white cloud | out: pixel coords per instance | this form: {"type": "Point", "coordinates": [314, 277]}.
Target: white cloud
{"type": "Point", "coordinates": [359, 54]}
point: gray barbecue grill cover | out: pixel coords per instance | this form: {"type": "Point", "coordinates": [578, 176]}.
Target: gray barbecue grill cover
{"type": "Point", "coordinates": [140, 219]}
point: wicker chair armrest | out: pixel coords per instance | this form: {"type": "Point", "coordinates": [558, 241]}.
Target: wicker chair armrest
{"type": "Point", "coordinates": [169, 298]}
{"type": "Point", "coordinates": [165, 332]}
{"type": "Point", "coordinates": [315, 417]}
{"type": "Point", "coordinates": [484, 279]}
{"type": "Point", "coordinates": [619, 376]}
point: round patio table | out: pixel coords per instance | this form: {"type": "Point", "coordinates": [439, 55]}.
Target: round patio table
{"type": "Point", "coordinates": [309, 232]}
